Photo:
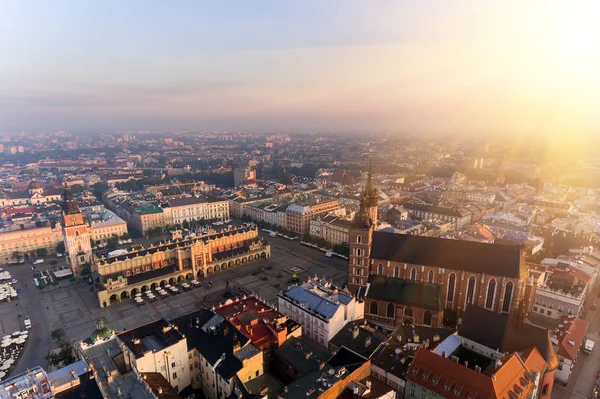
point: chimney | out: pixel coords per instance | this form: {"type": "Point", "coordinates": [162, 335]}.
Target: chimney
{"type": "Point", "coordinates": [367, 342]}
{"type": "Point", "coordinates": [466, 363]}
{"type": "Point", "coordinates": [159, 391]}
{"type": "Point", "coordinates": [307, 355]}
{"type": "Point", "coordinates": [355, 332]}
{"type": "Point", "coordinates": [494, 376]}
{"type": "Point", "coordinates": [368, 384]}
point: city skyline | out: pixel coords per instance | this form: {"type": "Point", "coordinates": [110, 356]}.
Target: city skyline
{"type": "Point", "coordinates": [429, 67]}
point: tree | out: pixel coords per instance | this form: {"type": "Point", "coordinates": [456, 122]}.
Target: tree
{"type": "Point", "coordinates": [99, 188]}
{"type": "Point", "coordinates": [53, 263]}
{"type": "Point", "coordinates": [17, 256]}
{"type": "Point", "coordinates": [112, 244]}
{"type": "Point", "coordinates": [60, 248]}
{"type": "Point", "coordinates": [41, 252]}
{"type": "Point", "coordinates": [57, 334]}
{"type": "Point", "coordinates": [63, 357]}
{"type": "Point", "coordinates": [77, 188]}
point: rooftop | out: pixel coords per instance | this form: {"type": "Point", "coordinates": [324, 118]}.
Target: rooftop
{"type": "Point", "coordinates": [153, 336]}
{"type": "Point", "coordinates": [319, 296]}
{"type": "Point", "coordinates": [491, 259]}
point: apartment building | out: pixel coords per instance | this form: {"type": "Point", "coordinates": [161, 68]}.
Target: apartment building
{"type": "Point", "coordinates": [298, 215]}
{"type": "Point", "coordinates": [26, 239]}
{"type": "Point", "coordinates": [334, 229]}
{"type": "Point", "coordinates": [103, 223]}
{"type": "Point", "coordinates": [180, 210]}
{"type": "Point", "coordinates": [459, 216]}
{"type": "Point", "coordinates": [320, 308]}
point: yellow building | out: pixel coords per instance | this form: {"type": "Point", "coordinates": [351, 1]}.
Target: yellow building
{"type": "Point", "coordinates": [27, 240]}
{"type": "Point", "coordinates": [123, 276]}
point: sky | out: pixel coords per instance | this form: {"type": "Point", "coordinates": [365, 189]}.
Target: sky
{"type": "Point", "coordinates": [450, 67]}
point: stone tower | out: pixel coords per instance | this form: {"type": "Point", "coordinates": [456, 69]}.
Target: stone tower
{"type": "Point", "coordinates": [360, 237]}
{"type": "Point", "coordinates": [76, 234]}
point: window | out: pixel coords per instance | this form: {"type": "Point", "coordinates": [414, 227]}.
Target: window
{"type": "Point", "coordinates": [491, 293]}
{"type": "Point", "coordinates": [396, 271]}
{"type": "Point", "coordinates": [359, 239]}
{"type": "Point", "coordinates": [507, 301]}
{"type": "Point", "coordinates": [413, 273]}
{"type": "Point", "coordinates": [470, 290]}
{"type": "Point", "coordinates": [173, 364]}
{"type": "Point", "coordinates": [427, 318]}
{"type": "Point", "coordinates": [430, 277]}
{"type": "Point", "coordinates": [412, 393]}
{"type": "Point", "coordinates": [390, 310]}
{"type": "Point", "coordinates": [380, 269]}
{"type": "Point", "coordinates": [257, 373]}
{"type": "Point", "coordinates": [422, 396]}
{"type": "Point", "coordinates": [358, 251]}
{"type": "Point", "coordinates": [191, 367]}
{"type": "Point", "coordinates": [174, 375]}
{"type": "Point", "coordinates": [451, 284]}
{"type": "Point", "coordinates": [549, 312]}
{"type": "Point", "coordinates": [408, 312]}
{"type": "Point", "coordinates": [373, 308]}
{"type": "Point", "coordinates": [535, 309]}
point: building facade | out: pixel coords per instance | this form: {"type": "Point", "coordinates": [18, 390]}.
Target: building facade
{"type": "Point", "coordinates": [176, 260]}
{"type": "Point", "coordinates": [486, 275]}
{"type": "Point", "coordinates": [76, 234]}
{"type": "Point", "coordinates": [332, 228]}
{"type": "Point", "coordinates": [320, 308]}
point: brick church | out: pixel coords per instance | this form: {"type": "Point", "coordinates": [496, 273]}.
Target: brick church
{"type": "Point", "coordinates": [427, 280]}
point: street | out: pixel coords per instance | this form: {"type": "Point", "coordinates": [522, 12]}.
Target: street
{"type": "Point", "coordinates": [73, 307]}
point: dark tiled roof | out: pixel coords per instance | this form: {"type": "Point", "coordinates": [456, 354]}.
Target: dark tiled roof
{"type": "Point", "coordinates": [294, 351]}
{"type": "Point", "coordinates": [405, 292]}
{"type": "Point", "coordinates": [163, 271]}
{"type": "Point", "coordinates": [88, 389]}
{"type": "Point", "coordinates": [211, 344]}
{"type": "Point", "coordinates": [156, 381]}
{"type": "Point", "coordinates": [496, 260]}
{"type": "Point", "coordinates": [497, 331]}
{"type": "Point", "coordinates": [365, 343]}
{"type": "Point", "coordinates": [152, 336]}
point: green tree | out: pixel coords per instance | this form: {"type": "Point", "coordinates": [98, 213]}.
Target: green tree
{"type": "Point", "coordinates": [60, 248]}
{"type": "Point", "coordinates": [77, 188]}
{"type": "Point", "coordinates": [99, 188]}
{"type": "Point", "coordinates": [57, 334]}
{"type": "Point", "coordinates": [41, 252]}
{"type": "Point", "coordinates": [17, 256]}
{"type": "Point", "coordinates": [112, 244]}
{"type": "Point", "coordinates": [53, 263]}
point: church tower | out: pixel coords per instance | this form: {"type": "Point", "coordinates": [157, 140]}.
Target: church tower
{"type": "Point", "coordinates": [76, 234]}
{"type": "Point", "coordinates": [361, 235]}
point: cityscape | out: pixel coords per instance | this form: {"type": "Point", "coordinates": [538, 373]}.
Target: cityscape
{"type": "Point", "coordinates": [248, 218]}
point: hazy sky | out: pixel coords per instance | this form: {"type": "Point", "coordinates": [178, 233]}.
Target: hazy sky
{"type": "Point", "coordinates": [441, 66]}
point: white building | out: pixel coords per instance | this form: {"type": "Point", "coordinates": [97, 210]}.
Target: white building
{"type": "Point", "coordinates": [556, 303]}
{"type": "Point", "coordinates": [180, 210]}
{"type": "Point", "coordinates": [334, 229]}
{"type": "Point", "coordinates": [320, 308]}
{"type": "Point", "coordinates": [103, 223]}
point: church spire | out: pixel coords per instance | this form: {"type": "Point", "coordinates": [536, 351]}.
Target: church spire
{"type": "Point", "coordinates": [367, 214]}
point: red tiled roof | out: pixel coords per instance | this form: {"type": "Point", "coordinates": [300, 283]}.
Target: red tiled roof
{"type": "Point", "coordinates": [448, 378]}
{"type": "Point", "coordinates": [570, 335]}
{"type": "Point", "coordinates": [254, 319]}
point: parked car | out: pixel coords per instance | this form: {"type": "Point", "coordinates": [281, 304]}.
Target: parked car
{"type": "Point", "coordinates": [27, 323]}
{"type": "Point", "coordinates": [588, 347]}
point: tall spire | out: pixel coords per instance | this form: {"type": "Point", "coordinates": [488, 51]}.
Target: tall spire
{"type": "Point", "coordinates": [367, 214]}
{"type": "Point", "coordinates": [370, 194]}
{"type": "Point", "coordinates": [69, 204]}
